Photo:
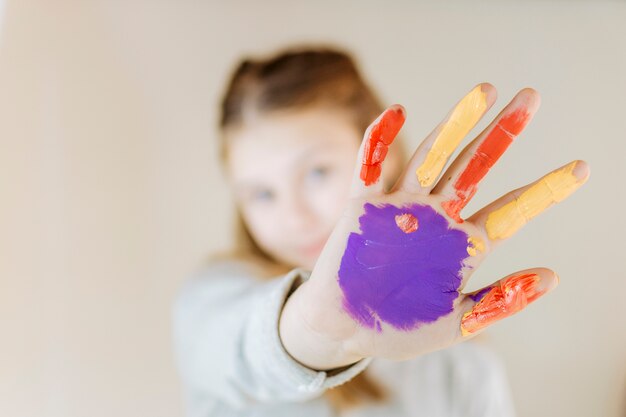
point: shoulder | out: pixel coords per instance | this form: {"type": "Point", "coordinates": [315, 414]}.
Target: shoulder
{"type": "Point", "coordinates": [225, 268]}
{"type": "Point", "coordinates": [231, 272]}
{"type": "Point", "coordinates": [215, 280]}
{"type": "Point", "coordinates": [230, 281]}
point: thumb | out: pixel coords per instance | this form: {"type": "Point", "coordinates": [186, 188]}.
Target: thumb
{"type": "Point", "coordinates": [504, 298]}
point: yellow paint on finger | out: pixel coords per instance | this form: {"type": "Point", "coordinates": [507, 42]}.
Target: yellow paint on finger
{"type": "Point", "coordinates": [462, 119]}
{"type": "Point", "coordinates": [476, 245]}
{"type": "Point", "coordinates": [552, 188]}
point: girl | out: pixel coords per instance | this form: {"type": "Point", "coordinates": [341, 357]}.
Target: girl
{"type": "Point", "coordinates": [346, 283]}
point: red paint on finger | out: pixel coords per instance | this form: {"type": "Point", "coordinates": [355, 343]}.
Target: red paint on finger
{"type": "Point", "coordinates": [380, 137]}
{"type": "Point", "coordinates": [503, 300]}
{"type": "Point", "coordinates": [488, 152]}
{"type": "Point", "coordinates": [370, 173]}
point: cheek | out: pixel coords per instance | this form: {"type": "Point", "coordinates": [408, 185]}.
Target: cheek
{"type": "Point", "coordinates": [262, 224]}
{"type": "Point", "coordinates": [330, 200]}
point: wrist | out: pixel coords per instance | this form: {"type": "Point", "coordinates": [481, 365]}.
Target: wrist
{"type": "Point", "coordinates": [305, 337]}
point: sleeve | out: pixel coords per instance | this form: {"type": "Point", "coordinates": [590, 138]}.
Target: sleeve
{"type": "Point", "coordinates": [227, 346]}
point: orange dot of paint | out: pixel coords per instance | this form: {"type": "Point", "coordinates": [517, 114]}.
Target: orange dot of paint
{"type": "Point", "coordinates": [407, 222]}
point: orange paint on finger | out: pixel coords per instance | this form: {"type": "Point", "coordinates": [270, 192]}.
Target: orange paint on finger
{"type": "Point", "coordinates": [407, 222]}
{"type": "Point", "coordinates": [504, 299]}
{"type": "Point", "coordinates": [380, 137]}
{"type": "Point", "coordinates": [488, 152]}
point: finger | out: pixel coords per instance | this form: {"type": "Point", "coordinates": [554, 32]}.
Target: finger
{"type": "Point", "coordinates": [504, 298]}
{"type": "Point", "coordinates": [460, 181]}
{"type": "Point", "coordinates": [505, 216]}
{"type": "Point", "coordinates": [378, 136]}
{"type": "Point", "coordinates": [432, 154]}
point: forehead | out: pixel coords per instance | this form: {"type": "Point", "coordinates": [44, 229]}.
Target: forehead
{"type": "Point", "coordinates": [284, 141]}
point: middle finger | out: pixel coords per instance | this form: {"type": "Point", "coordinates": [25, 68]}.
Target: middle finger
{"type": "Point", "coordinates": [460, 181]}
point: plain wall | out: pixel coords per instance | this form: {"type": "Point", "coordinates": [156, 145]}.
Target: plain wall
{"type": "Point", "coordinates": [111, 195]}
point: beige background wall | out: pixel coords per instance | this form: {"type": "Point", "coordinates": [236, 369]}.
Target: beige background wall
{"type": "Point", "coordinates": [110, 193]}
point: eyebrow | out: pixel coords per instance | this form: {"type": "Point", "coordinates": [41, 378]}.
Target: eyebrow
{"type": "Point", "coordinates": [304, 154]}
{"type": "Point", "coordinates": [310, 150]}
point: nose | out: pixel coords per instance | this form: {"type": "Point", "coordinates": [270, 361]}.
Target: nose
{"type": "Point", "coordinates": [298, 215]}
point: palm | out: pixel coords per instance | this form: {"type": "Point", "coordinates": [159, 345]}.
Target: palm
{"type": "Point", "coordinates": [406, 265]}
{"type": "Point", "coordinates": [403, 271]}
{"type": "Point", "coordinates": [396, 263]}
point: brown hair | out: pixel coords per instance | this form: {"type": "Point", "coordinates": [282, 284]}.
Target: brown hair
{"type": "Point", "coordinates": [298, 79]}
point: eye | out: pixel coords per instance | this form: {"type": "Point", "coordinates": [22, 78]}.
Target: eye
{"type": "Point", "coordinates": [262, 195]}
{"type": "Point", "coordinates": [320, 171]}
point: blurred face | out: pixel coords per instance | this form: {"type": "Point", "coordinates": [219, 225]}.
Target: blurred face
{"type": "Point", "coordinates": [291, 174]}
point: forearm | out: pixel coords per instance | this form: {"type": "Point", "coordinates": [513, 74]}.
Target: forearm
{"type": "Point", "coordinates": [298, 329]}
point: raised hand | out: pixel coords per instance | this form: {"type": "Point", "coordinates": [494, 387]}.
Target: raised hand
{"type": "Point", "coordinates": [389, 281]}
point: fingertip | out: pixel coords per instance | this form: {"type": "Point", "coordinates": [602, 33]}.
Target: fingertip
{"type": "Point", "coordinates": [490, 92]}
{"type": "Point", "coordinates": [537, 98]}
{"type": "Point", "coordinates": [552, 282]}
{"type": "Point", "coordinates": [398, 108]}
{"type": "Point", "coordinates": [487, 86]}
{"type": "Point", "coordinates": [531, 91]}
{"type": "Point", "coordinates": [531, 98]}
{"type": "Point", "coordinates": [548, 279]}
{"type": "Point", "coordinates": [581, 170]}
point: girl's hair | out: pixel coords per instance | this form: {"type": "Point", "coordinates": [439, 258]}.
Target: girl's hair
{"type": "Point", "coordinates": [296, 79]}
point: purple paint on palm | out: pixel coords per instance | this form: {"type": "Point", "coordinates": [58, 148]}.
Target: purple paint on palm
{"type": "Point", "coordinates": [402, 278]}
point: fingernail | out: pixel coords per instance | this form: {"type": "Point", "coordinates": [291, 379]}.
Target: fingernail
{"type": "Point", "coordinates": [581, 169]}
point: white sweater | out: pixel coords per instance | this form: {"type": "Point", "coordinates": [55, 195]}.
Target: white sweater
{"type": "Point", "coordinates": [232, 363]}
